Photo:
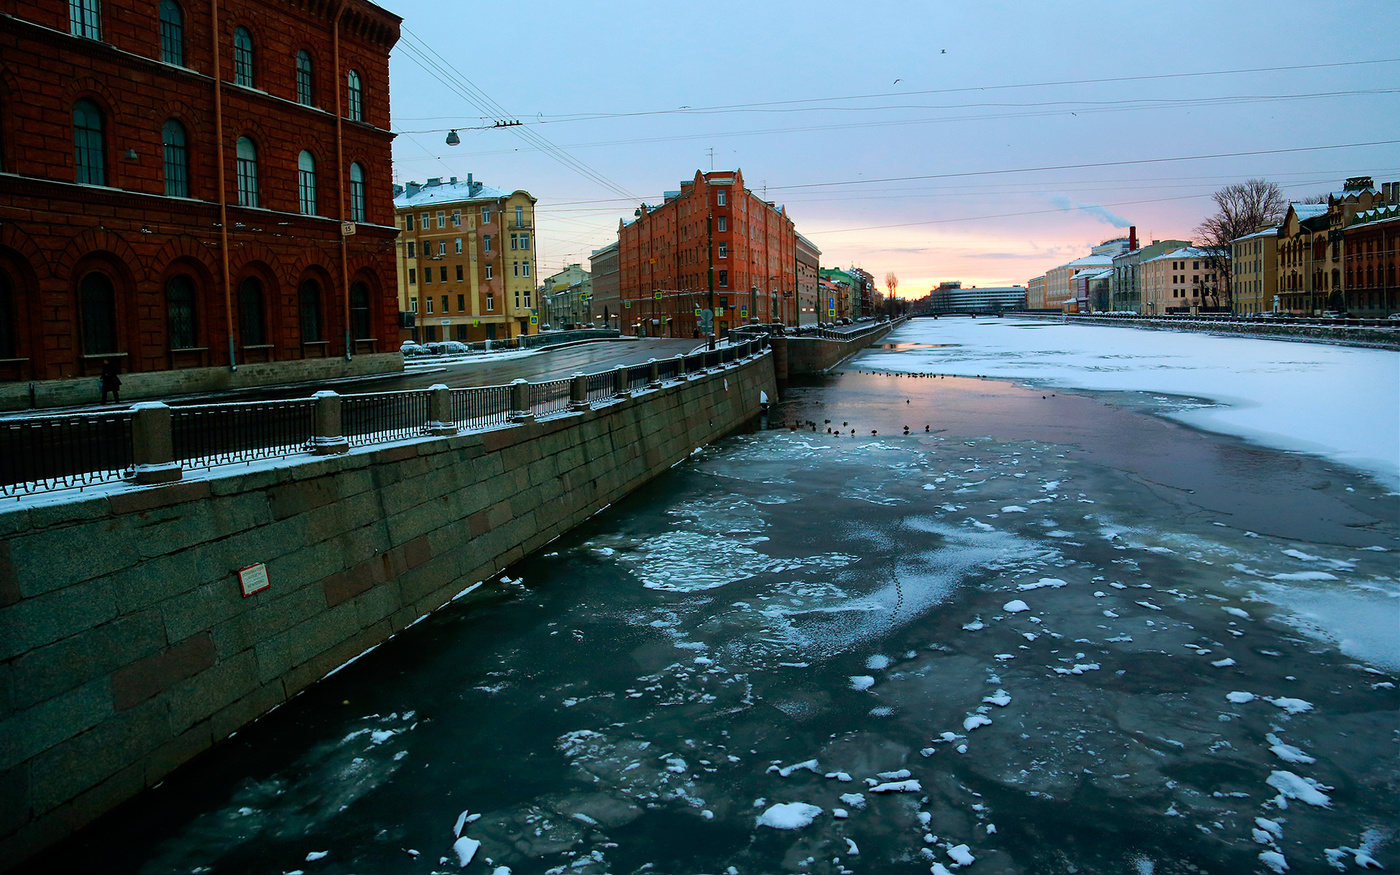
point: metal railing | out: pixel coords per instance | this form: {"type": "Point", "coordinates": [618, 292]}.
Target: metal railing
{"type": "Point", "coordinates": [43, 453]}
{"type": "Point", "coordinates": [46, 453]}
{"type": "Point", "coordinates": [379, 417]}
{"type": "Point", "coordinates": [207, 435]}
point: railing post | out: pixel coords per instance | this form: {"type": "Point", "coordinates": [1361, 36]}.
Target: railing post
{"type": "Point", "coordinates": [653, 374]}
{"type": "Point", "coordinates": [520, 401]}
{"type": "Point", "coordinates": [152, 447]}
{"type": "Point", "coordinates": [578, 392]}
{"type": "Point", "coordinates": [680, 367]}
{"type": "Point", "coordinates": [328, 437]}
{"type": "Point", "coordinates": [620, 381]}
{"type": "Point", "coordinates": [440, 422]}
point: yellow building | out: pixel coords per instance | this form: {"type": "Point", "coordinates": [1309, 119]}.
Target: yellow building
{"type": "Point", "coordinates": [1059, 281]}
{"type": "Point", "coordinates": [466, 260]}
{"type": "Point", "coordinates": [1254, 271]}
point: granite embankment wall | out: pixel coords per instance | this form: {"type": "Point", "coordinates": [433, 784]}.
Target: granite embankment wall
{"type": "Point", "coordinates": [127, 646]}
{"type": "Point", "coordinates": [1383, 337]}
{"type": "Point", "coordinates": [799, 355]}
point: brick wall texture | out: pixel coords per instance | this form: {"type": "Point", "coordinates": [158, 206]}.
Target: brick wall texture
{"type": "Point", "coordinates": [127, 647]}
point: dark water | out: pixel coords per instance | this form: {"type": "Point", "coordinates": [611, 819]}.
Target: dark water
{"type": "Point", "coordinates": [797, 617]}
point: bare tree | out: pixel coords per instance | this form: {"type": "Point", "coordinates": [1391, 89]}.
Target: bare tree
{"type": "Point", "coordinates": [891, 282]}
{"type": "Point", "coordinates": [1240, 209]}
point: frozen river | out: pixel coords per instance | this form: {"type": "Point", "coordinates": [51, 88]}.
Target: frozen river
{"type": "Point", "coordinates": [1043, 631]}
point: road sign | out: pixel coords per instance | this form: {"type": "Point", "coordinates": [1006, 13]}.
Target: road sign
{"type": "Point", "coordinates": [707, 321]}
{"type": "Point", "coordinates": [656, 294]}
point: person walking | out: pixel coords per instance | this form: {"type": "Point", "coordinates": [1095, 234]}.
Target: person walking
{"type": "Point", "coordinates": [110, 381]}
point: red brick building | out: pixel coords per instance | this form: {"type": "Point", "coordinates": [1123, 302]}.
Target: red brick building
{"type": "Point", "coordinates": [187, 195]}
{"type": "Point", "coordinates": [714, 245]}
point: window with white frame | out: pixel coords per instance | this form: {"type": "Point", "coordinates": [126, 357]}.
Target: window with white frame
{"type": "Point", "coordinates": [485, 242]}
{"type": "Point", "coordinates": [719, 197]}
{"type": "Point", "coordinates": [457, 244]}
{"type": "Point", "coordinates": [488, 271]}
{"type": "Point", "coordinates": [85, 18]}
{"type": "Point", "coordinates": [442, 219]}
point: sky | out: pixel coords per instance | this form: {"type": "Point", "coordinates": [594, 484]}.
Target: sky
{"type": "Point", "coordinates": [984, 143]}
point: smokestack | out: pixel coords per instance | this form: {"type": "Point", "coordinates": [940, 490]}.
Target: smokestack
{"type": "Point", "coordinates": [1132, 237]}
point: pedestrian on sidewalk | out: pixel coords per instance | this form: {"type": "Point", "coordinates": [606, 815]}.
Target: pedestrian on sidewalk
{"type": "Point", "coordinates": [110, 381]}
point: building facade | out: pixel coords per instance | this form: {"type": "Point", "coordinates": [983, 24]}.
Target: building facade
{"type": "Point", "coordinates": [1059, 281]}
{"type": "Point", "coordinates": [1125, 285]}
{"type": "Point", "coordinates": [711, 245]}
{"type": "Point", "coordinates": [953, 297]}
{"type": "Point", "coordinates": [1254, 272]}
{"type": "Point", "coordinates": [808, 282]}
{"type": "Point", "coordinates": [1174, 282]}
{"type": "Point", "coordinates": [607, 297]}
{"type": "Point", "coordinates": [184, 193]}
{"type": "Point", "coordinates": [565, 299]}
{"type": "Point", "coordinates": [466, 260]}
{"type": "Point", "coordinates": [1372, 261]}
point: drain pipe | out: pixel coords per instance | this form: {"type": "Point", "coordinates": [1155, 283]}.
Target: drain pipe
{"type": "Point", "coordinates": [222, 182]}
{"type": "Point", "coordinates": [340, 170]}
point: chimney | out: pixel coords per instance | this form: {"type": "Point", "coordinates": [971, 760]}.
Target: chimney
{"type": "Point", "coordinates": [1132, 238]}
{"type": "Point", "coordinates": [469, 179]}
{"type": "Point", "coordinates": [454, 180]}
{"type": "Point", "coordinates": [436, 180]}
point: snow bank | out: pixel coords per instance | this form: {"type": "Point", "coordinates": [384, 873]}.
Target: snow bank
{"type": "Point", "coordinates": [789, 815]}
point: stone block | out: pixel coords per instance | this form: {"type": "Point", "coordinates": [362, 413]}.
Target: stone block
{"type": "Point", "coordinates": [205, 607]}
{"type": "Point", "coordinates": [379, 603]}
{"type": "Point", "coordinates": [157, 497]}
{"type": "Point", "coordinates": [148, 677]}
{"type": "Point", "coordinates": [79, 764]}
{"type": "Point", "coordinates": [280, 654]}
{"type": "Point", "coordinates": [196, 698]}
{"type": "Point", "coordinates": [176, 752]}
{"type": "Point", "coordinates": [55, 558]}
{"type": "Point", "coordinates": [53, 616]}
{"type": "Point", "coordinates": [33, 730]}
{"type": "Point", "coordinates": [85, 657]}
{"type": "Point", "coordinates": [247, 709]}
{"type": "Point", "coordinates": [298, 497]}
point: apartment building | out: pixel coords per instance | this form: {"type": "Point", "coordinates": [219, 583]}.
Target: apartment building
{"type": "Point", "coordinates": [466, 260]}
{"type": "Point", "coordinates": [1176, 281]}
{"type": "Point", "coordinates": [1254, 269]}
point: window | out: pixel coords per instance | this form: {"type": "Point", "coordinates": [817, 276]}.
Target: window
{"type": "Point", "coordinates": [456, 218]}
{"type": "Point", "coordinates": [172, 33]}
{"type": "Point", "coordinates": [242, 57]}
{"type": "Point", "coordinates": [490, 302]}
{"type": "Point", "coordinates": [524, 268]}
{"type": "Point", "coordinates": [459, 273]}
{"type": "Point", "coordinates": [426, 223]}
{"type": "Point", "coordinates": [442, 247]}
{"type": "Point", "coordinates": [97, 302]}
{"type": "Point", "coordinates": [412, 277]}
{"type": "Point", "coordinates": [485, 215]}
{"type": "Point", "coordinates": [515, 266]}
{"type": "Point", "coordinates": [724, 250]}
{"type": "Point", "coordinates": [444, 303]}
{"type": "Point", "coordinates": [246, 164]}
{"type": "Point", "coordinates": [514, 241]}
{"type": "Point", "coordinates": [519, 216]}
{"type": "Point", "coordinates": [359, 312]}
{"type": "Point", "coordinates": [427, 276]}
{"type": "Point", "coordinates": [309, 299]}
{"type": "Point", "coordinates": [442, 273]}
{"type": "Point", "coordinates": [305, 95]}
{"type": "Point", "coordinates": [412, 249]}
{"type": "Point", "coordinates": [486, 242]}
{"type": "Point", "coordinates": [488, 271]}
{"type": "Point", "coordinates": [428, 302]}
{"type": "Point", "coordinates": [306, 183]}
{"type": "Point", "coordinates": [85, 18]}
{"type": "Point", "coordinates": [461, 303]}
{"type": "Point", "coordinates": [1195, 265]}
{"type": "Point", "coordinates": [250, 312]}
{"type": "Point", "coordinates": [721, 224]}
{"type": "Point", "coordinates": [408, 221]}
{"type": "Point", "coordinates": [355, 107]}
{"type": "Point", "coordinates": [177, 159]}
{"type": "Point", "coordinates": [413, 305]}
{"type": "Point", "coordinates": [457, 244]}
{"type": "Point", "coordinates": [442, 219]}
{"type": "Point", "coordinates": [357, 192]}
{"type": "Point", "coordinates": [88, 143]}
{"type": "Point", "coordinates": [724, 278]}
{"type": "Point", "coordinates": [180, 313]}
{"type": "Point", "coordinates": [524, 241]}
{"type": "Point", "coordinates": [719, 197]}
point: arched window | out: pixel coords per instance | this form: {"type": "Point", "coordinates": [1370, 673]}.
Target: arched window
{"type": "Point", "coordinates": [97, 304]}
{"type": "Point", "coordinates": [306, 183]}
{"type": "Point", "coordinates": [357, 193]}
{"type": "Point", "coordinates": [250, 312]}
{"type": "Point", "coordinates": [181, 325]}
{"type": "Point", "coordinates": [310, 299]}
{"type": "Point", "coordinates": [304, 82]}
{"type": "Point", "coordinates": [172, 33]}
{"type": "Point", "coordinates": [177, 159]}
{"type": "Point", "coordinates": [8, 335]}
{"type": "Point", "coordinates": [355, 111]}
{"type": "Point", "coordinates": [85, 18]}
{"type": "Point", "coordinates": [87, 143]}
{"type": "Point", "coordinates": [247, 167]}
{"type": "Point", "coordinates": [242, 57]}
{"type": "Point", "coordinates": [360, 328]}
